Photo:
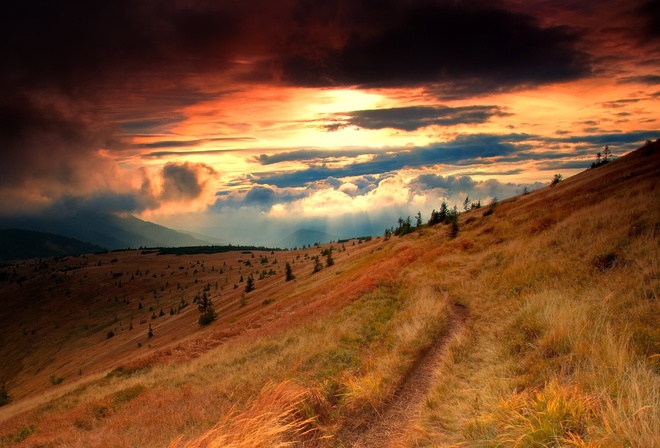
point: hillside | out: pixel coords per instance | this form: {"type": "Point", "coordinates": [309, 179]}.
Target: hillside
{"type": "Point", "coordinates": [537, 325]}
{"type": "Point", "coordinates": [16, 244]}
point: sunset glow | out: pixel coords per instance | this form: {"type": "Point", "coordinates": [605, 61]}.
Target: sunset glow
{"type": "Point", "coordinates": [225, 120]}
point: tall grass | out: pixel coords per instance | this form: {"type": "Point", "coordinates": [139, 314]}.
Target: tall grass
{"type": "Point", "coordinates": [274, 420]}
{"type": "Point", "coordinates": [346, 363]}
{"type": "Point", "coordinates": [564, 344]}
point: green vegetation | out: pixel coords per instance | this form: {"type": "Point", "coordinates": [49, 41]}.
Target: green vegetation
{"type": "Point", "coordinates": [249, 285]}
{"type": "Point", "coordinates": [200, 250]}
{"type": "Point", "coordinates": [55, 379]}
{"type": "Point", "coordinates": [555, 180]}
{"type": "Point", "coordinates": [317, 264]}
{"type": "Point", "coordinates": [4, 396]}
{"type": "Point", "coordinates": [604, 157]}
{"type": "Point", "coordinates": [207, 313]}
{"type": "Point", "coordinates": [288, 272]}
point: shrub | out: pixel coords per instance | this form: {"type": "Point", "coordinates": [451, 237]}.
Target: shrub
{"type": "Point", "coordinates": [555, 180]}
{"type": "Point", "coordinates": [4, 396]}
{"type": "Point", "coordinates": [249, 286]}
{"type": "Point", "coordinates": [206, 311]}
{"type": "Point", "coordinates": [605, 261]}
{"type": "Point", "coordinates": [317, 265]}
{"type": "Point", "coordinates": [288, 272]}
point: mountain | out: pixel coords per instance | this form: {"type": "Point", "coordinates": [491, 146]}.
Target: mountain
{"type": "Point", "coordinates": [106, 230]}
{"type": "Point", "coordinates": [211, 239]}
{"type": "Point", "coordinates": [536, 325]}
{"type": "Point", "coordinates": [304, 237]}
{"type": "Point", "coordinates": [16, 244]}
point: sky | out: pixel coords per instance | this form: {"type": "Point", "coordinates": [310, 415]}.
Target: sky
{"type": "Point", "coordinates": [248, 120]}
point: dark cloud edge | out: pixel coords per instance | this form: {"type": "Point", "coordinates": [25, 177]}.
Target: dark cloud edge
{"type": "Point", "coordinates": [466, 149]}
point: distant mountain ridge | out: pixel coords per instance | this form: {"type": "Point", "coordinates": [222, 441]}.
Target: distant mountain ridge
{"type": "Point", "coordinates": [304, 237]}
{"type": "Point", "coordinates": [17, 244]}
{"type": "Point", "coordinates": [106, 230]}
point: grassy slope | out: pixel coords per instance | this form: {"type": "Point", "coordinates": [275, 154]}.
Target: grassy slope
{"type": "Point", "coordinates": [560, 347]}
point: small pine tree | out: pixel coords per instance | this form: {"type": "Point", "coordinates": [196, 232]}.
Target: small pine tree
{"type": "Point", "coordinates": [555, 180]}
{"type": "Point", "coordinates": [4, 396]}
{"type": "Point", "coordinates": [288, 272]}
{"type": "Point", "coordinates": [317, 265]}
{"type": "Point", "coordinates": [602, 157]}
{"type": "Point", "coordinates": [206, 311]}
{"type": "Point", "coordinates": [150, 333]}
{"type": "Point", "coordinates": [418, 219]}
{"type": "Point", "coordinates": [452, 219]}
{"type": "Point", "coordinates": [467, 205]}
{"type": "Point", "coordinates": [249, 286]}
{"type": "Point", "coordinates": [438, 217]}
{"type": "Point", "coordinates": [329, 261]}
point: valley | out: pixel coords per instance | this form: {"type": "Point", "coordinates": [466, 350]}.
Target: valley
{"type": "Point", "coordinates": [535, 325]}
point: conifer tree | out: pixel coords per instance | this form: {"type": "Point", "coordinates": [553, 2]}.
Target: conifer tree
{"type": "Point", "coordinates": [329, 261]}
{"type": "Point", "coordinates": [249, 286]}
{"type": "Point", "coordinates": [288, 272]}
{"type": "Point", "coordinates": [317, 265]}
{"type": "Point", "coordinates": [206, 311]}
{"type": "Point", "coordinates": [467, 203]}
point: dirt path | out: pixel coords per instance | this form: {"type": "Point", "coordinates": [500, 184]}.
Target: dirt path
{"type": "Point", "coordinates": [388, 428]}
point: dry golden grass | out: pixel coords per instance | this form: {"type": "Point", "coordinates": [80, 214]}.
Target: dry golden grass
{"type": "Point", "coordinates": [561, 346]}
{"type": "Point", "coordinates": [274, 420]}
{"type": "Point", "coordinates": [375, 323]}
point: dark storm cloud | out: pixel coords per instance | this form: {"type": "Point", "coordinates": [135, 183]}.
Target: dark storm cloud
{"type": "Point", "coordinates": [462, 149]}
{"type": "Point", "coordinates": [568, 165]}
{"type": "Point", "coordinates": [634, 138]}
{"type": "Point", "coordinates": [430, 181]}
{"type": "Point", "coordinates": [260, 196]}
{"type": "Point", "coordinates": [649, 12]}
{"type": "Point", "coordinates": [303, 155]}
{"type": "Point", "coordinates": [103, 203]}
{"type": "Point", "coordinates": [644, 79]}
{"type": "Point", "coordinates": [142, 126]}
{"type": "Point", "coordinates": [64, 61]}
{"type": "Point", "coordinates": [72, 45]}
{"type": "Point", "coordinates": [47, 140]}
{"type": "Point", "coordinates": [184, 181]}
{"type": "Point", "coordinates": [469, 45]}
{"type": "Point", "coordinates": [620, 103]}
{"type": "Point", "coordinates": [414, 117]}
{"type": "Point", "coordinates": [188, 143]}
{"type": "Point", "coordinates": [194, 152]}
{"type": "Point", "coordinates": [76, 75]}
